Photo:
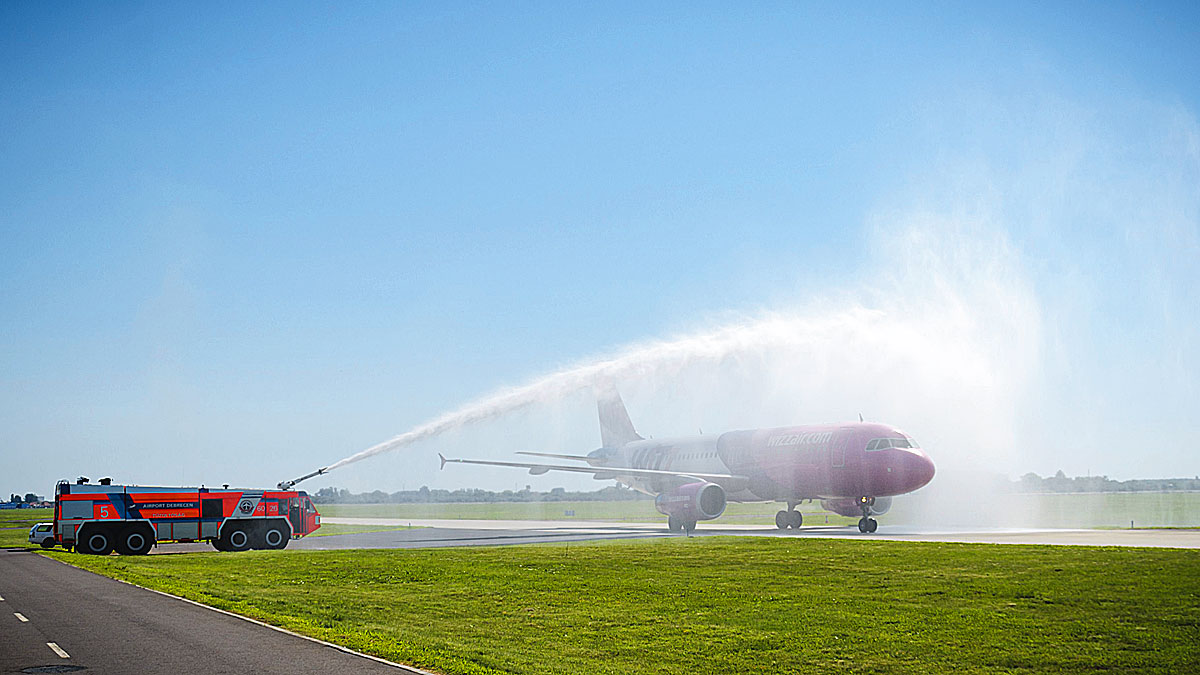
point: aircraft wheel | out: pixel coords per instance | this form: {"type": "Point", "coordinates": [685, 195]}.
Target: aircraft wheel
{"type": "Point", "coordinates": [872, 525]}
{"type": "Point", "coordinates": [862, 524]}
{"type": "Point", "coordinates": [796, 519]}
{"type": "Point", "coordinates": [689, 526]}
{"type": "Point", "coordinates": [672, 523]}
{"type": "Point", "coordinates": [782, 520]}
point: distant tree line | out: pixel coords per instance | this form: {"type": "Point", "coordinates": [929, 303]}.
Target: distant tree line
{"type": "Point", "coordinates": [1060, 482]}
{"type": "Point", "coordinates": [424, 495]}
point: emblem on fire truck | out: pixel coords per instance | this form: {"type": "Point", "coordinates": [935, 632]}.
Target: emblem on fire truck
{"type": "Point", "coordinates": [246, 506]}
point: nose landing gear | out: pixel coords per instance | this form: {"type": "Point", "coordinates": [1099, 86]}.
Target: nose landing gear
{"type": "Point", "coordinates": [866, 524]}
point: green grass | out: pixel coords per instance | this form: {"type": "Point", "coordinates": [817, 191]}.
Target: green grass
{"type": "Point", "coordinates": [15, 524]}
{"type": "Point", "coordinates": [716, 605]}
{"type": "Point", "coordinates": [1081, 510]}
{"type": "Point", "coordinates": [331, 529]}
{"type": "Point", "coordinates": [1107, 509]}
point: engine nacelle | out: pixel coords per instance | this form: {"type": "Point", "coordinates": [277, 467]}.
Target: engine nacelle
{"type": "Point", "coordinates": [694, 501]}
{"type": "Point", "coordinates": [850, 507]}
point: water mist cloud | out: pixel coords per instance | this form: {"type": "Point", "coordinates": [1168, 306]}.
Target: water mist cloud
{"type": "Point", "coordinates": [996, 304]}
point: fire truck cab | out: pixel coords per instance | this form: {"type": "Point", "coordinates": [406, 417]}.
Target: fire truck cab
{"type": "Point", "coordinates": [130, 519]}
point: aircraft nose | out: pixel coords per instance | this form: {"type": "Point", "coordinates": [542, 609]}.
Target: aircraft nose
{"type": "Point", "coordinates": [920, 468]}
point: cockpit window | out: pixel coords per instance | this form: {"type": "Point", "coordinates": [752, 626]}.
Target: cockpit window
{"type": "Point", "coordinates": [885, 443]}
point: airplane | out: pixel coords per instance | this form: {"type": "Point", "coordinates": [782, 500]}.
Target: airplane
{"type": "Point", "coordinates": [853, 468]}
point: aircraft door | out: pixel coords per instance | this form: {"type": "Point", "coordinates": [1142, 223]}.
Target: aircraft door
{"type": "Point", "coordinates": [837, 456]}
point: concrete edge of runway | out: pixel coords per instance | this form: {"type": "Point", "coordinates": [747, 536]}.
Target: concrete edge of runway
{"type": "Point", "coordinates": [340, 648]}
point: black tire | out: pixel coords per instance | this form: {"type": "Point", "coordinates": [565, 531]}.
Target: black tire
{"type": "Point", "coordinates": [872, 525]}
{"type": "Point", "coordinates": [96, 541]}
{"type": "Point", "coordinates": [782, 520]}
{"type": "Point", "coordinates": [236, 538]}
{"type": "Point", "coordinates": [689, 526]}
{"type": "Point", "coordinates": [274, 536]}
{"type": "Point", "coordinates": [673, 524]}
{"type": "Point", "coordinates": [862, 524]}
{"type": "Point", "coordinates": [47, 543]}
{"type": "Point", "coordinates": [216, 543]}
{"type": "Point", "coordinates": [797, 519]}
{"type": "Point", "coordinates": [135, 540]}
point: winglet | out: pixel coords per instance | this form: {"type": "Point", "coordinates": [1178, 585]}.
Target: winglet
{"type": "Point", "coordinates": [443, 458]}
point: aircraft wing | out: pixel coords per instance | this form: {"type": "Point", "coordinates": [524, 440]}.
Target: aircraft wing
{"type": "Point", "coordinates": [725, 480]}
{"type": "Point", "coordinates": [554, 455]}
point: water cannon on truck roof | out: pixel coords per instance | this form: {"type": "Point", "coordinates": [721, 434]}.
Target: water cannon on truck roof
{"type": "Point", "coordinates": [289, 484]}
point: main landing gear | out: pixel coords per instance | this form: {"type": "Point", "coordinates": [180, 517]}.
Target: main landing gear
{"type": "Point", "coordinates": [866, 524]}
{"type": "Point", "coordinates": [678, 524]}
{"type": "Point", "coordinates": [790, 518]}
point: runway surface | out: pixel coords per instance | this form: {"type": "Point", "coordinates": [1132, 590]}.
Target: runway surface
{"type": "Point", "coordinates": [55, 615]}
{"type": "Point", "coordinates": [434, 533]}
{"type": "Point", "coordinates": [438, 533]}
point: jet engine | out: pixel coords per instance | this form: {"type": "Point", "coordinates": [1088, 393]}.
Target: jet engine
{"type": "Point", "coordinates": [694, 501]}
{"type": "Point", "coordinates": [850, 507]}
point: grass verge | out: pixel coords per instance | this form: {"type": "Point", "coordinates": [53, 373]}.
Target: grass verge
{"type": "Point", "coordinates": [15, 524]}
{"type": "Point", "coordinates": [331, 529]}
{"type": "Point", "coordinates": [711, 604]}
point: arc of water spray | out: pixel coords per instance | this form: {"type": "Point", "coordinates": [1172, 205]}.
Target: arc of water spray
{"type": "Point", "coordinates": [658, 357]}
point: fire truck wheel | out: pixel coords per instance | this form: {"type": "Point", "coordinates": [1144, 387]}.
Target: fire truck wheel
{"type": "Point", "coordinates": [217, 544]}
{"type": "Point", "coordinates": [134, 540]}
{"type": "Point", "coordinates": [237, 538]}
{"type": "Point", "coordinates": [274, 536]}
{"type": "Point", "coordinates": [96, 541]}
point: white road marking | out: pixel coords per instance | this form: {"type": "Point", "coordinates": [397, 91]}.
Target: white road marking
{"type": "Point", "coordinates": [21, 617]}
{"type": "Point", "coordinates": [58, 650]}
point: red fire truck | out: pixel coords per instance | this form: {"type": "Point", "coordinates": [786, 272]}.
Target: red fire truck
{"type": "Point", "coordinates": [99, 518]}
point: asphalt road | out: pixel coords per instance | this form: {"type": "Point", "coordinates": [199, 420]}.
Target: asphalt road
{"type": "Point", "coordinates": [53, 614]}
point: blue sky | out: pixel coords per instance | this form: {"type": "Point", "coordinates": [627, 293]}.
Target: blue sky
{"type": "Point", "coordinates": [254, 239]}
